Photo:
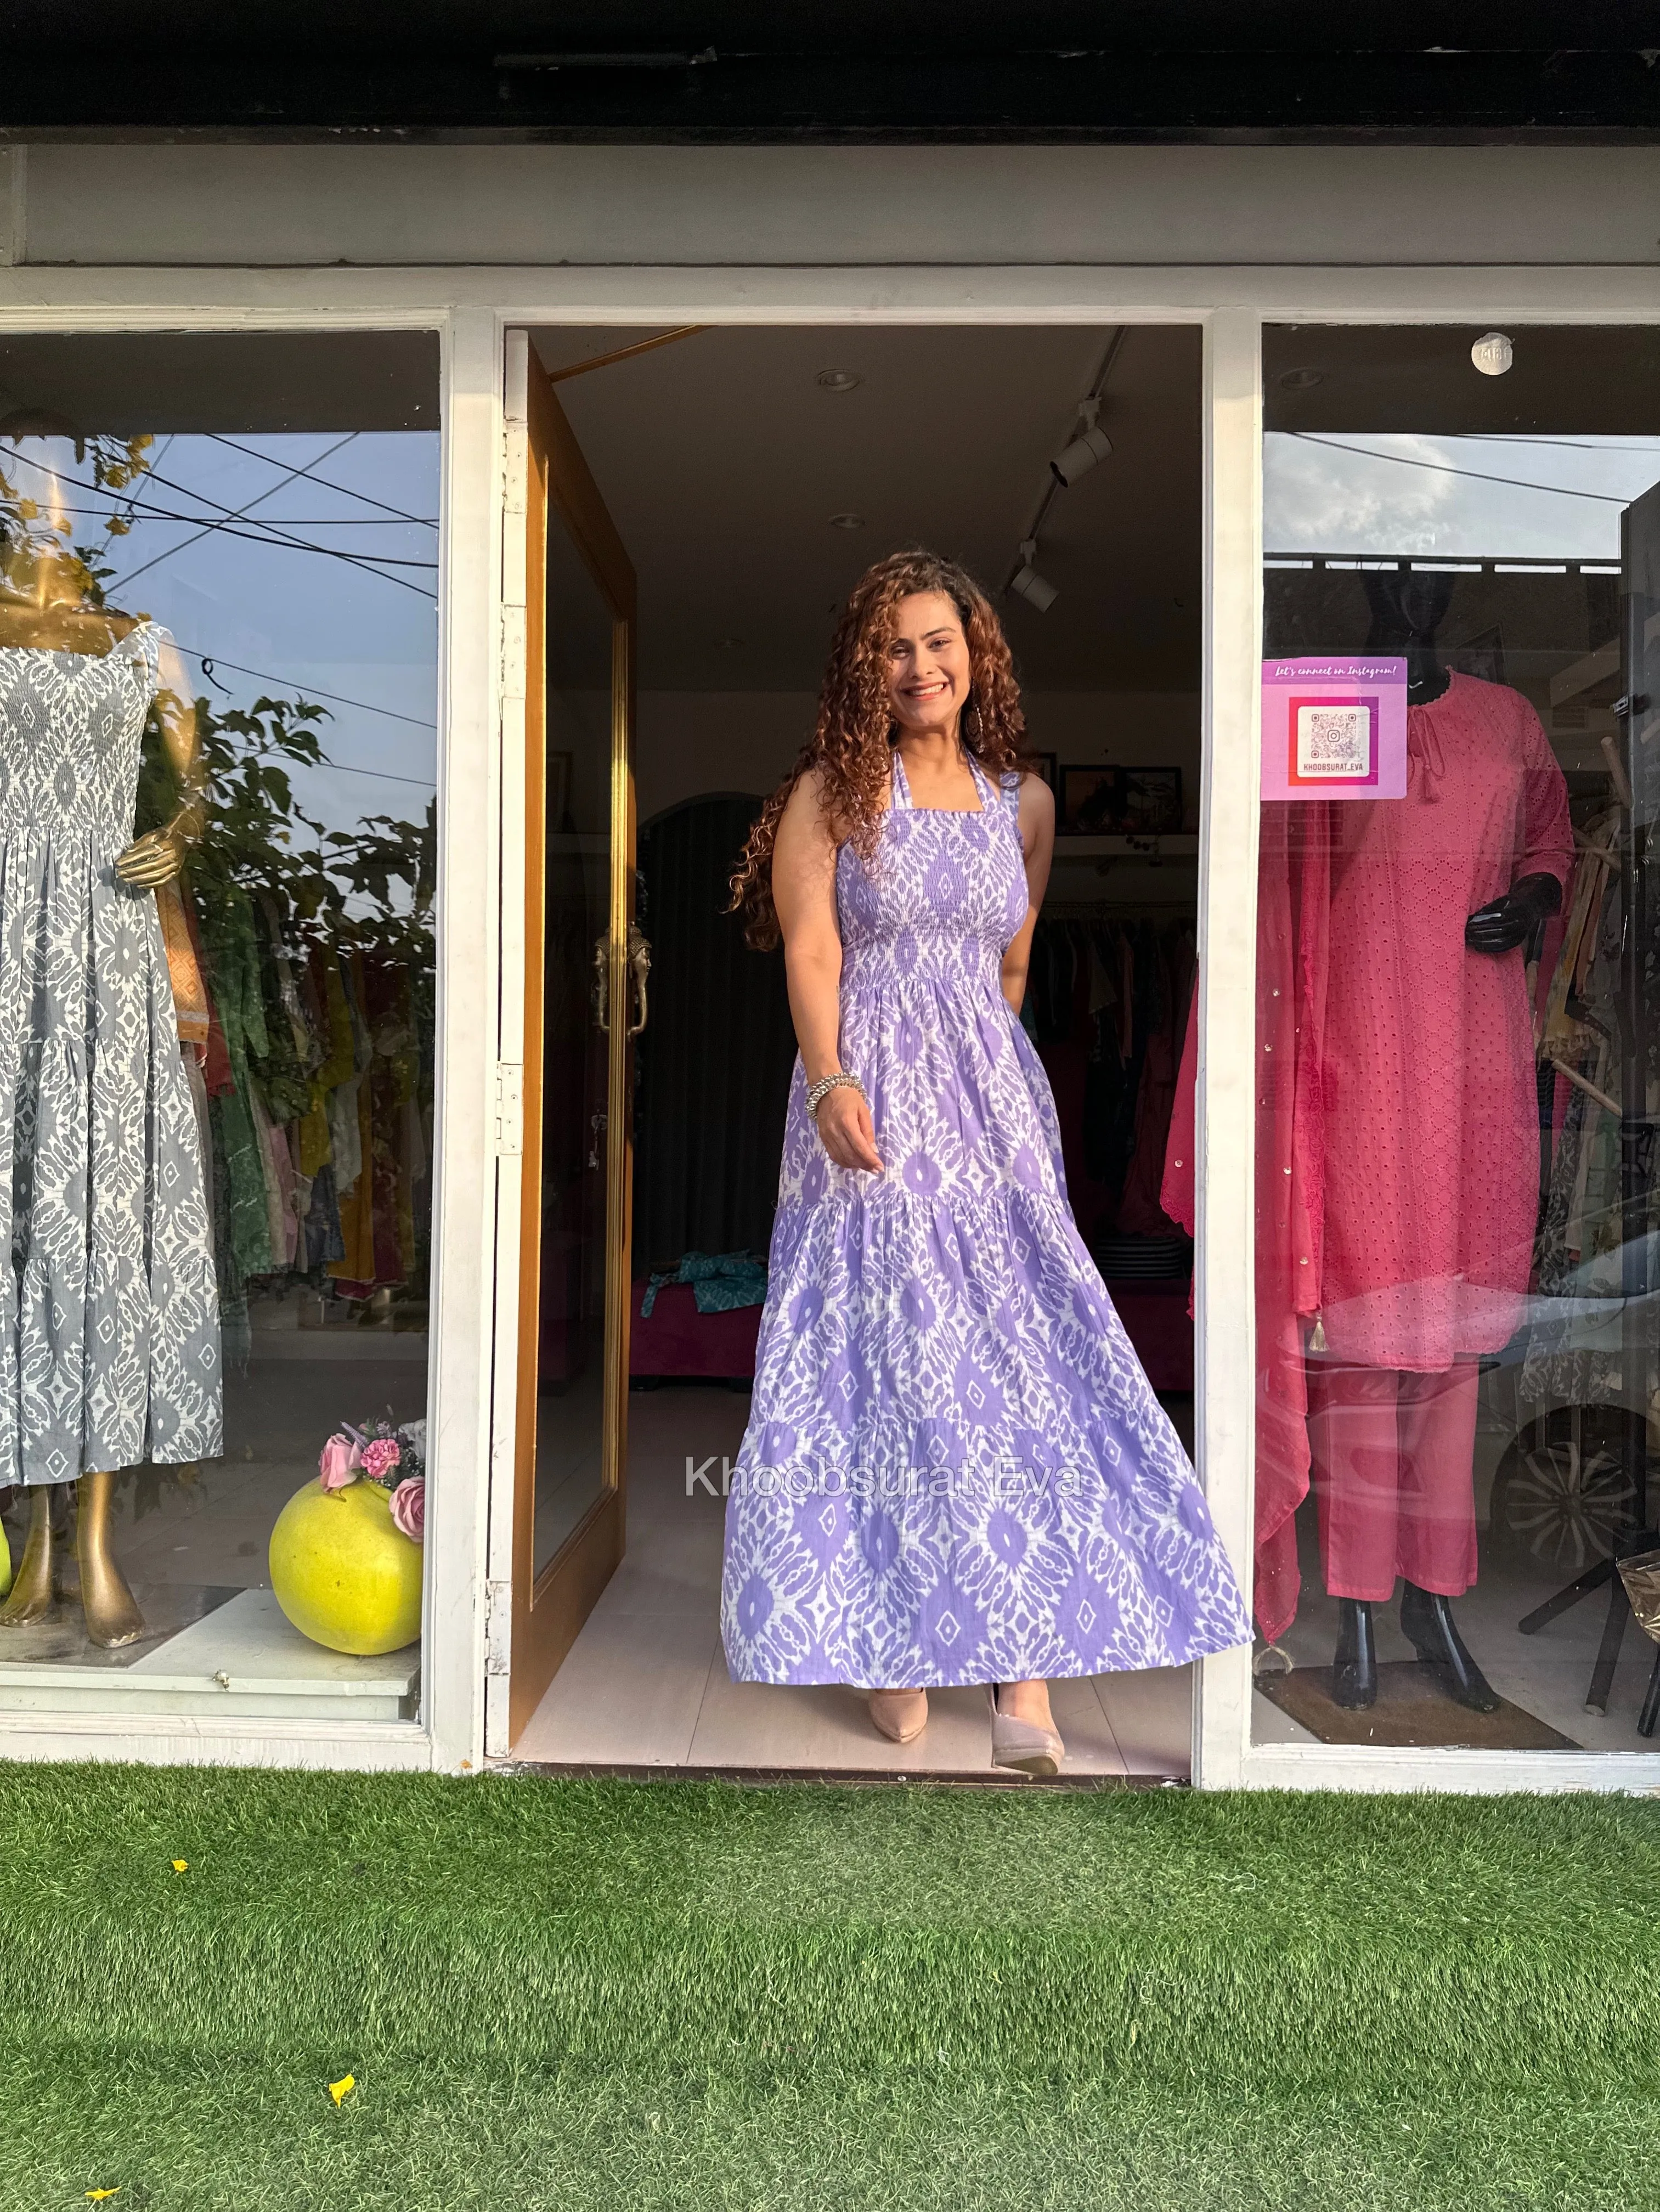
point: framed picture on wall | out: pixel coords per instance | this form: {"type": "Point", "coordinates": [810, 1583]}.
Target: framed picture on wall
{"type": "Point", "coordinates": [1101, 801]}
{"type": "Point", "coordinates": [1048, 765]}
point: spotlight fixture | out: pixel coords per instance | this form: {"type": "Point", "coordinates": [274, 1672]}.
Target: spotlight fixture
{"type": "Point", "coordinates": [1494, 354]}
{"type": "Point", "coordinates": [847, 522]}
{"type": "Point", "coordinates": [1090, 446]}
{"type": "Point", "coordinates": [1035, 590]}
{"type": "Point", "coordinates": [837, 379]}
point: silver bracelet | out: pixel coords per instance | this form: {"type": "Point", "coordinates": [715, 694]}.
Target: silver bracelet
{"type": "Point", "coordinates": [818, 1093]}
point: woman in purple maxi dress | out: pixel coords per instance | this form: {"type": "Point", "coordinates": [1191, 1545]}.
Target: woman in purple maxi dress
{"type": "Point", "coordinates": [955, 1470]}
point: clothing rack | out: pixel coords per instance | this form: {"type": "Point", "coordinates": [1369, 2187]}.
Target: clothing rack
{"type": "Point", "coordinates": [1102, 910]}
{"type": "Point", "coordinates": [1635, 784]}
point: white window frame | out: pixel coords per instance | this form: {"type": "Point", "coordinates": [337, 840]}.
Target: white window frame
{"type": "Point", "coordinates": [480, 923]}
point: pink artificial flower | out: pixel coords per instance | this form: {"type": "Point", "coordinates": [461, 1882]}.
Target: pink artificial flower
{"type": "Point", "coordinates": [338, 1463]}
{"type": "Point", "coordinates": [379, 1457]}
{"type": "Point", "coordinates": [408, 1507]}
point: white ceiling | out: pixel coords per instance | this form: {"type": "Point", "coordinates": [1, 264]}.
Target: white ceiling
{"type": "Point", "coordinates": [722, 460]}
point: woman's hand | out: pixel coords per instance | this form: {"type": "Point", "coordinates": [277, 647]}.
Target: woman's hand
{"type": "Point", "coordinates": [845, 1129]}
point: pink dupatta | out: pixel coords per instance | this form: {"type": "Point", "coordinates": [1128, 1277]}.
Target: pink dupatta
{"type": "Point", "coordinates": [1292, 890]}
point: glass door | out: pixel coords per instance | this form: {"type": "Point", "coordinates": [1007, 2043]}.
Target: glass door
{"type": "Point", "coordinates": [586, 982]}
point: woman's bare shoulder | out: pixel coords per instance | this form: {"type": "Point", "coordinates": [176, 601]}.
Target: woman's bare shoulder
{"type": "Point", "coordinates": [1036, 798]}
{"type": "Point", "coordinates": [810, 812]}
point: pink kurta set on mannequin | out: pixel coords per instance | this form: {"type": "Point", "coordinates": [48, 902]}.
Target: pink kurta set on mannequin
{"type": "Point", "coordinates": [1397, 1148]}
{"type": "Point", "coordinates": [1431, 1135]}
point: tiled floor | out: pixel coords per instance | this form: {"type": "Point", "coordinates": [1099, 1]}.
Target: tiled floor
{"type": "Point", "coordinates": [646, 1685]}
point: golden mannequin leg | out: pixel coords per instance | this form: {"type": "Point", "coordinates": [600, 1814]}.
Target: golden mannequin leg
{"type": "Point", "coordinates": [112, 1616]}
{"type": "Point", "coordinates": [31, 1589]}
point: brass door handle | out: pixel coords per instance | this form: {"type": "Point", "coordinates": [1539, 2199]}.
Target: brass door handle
{"type": "Point", "coordinates": [639, 969]}
{"type": "Point", "coordinates": [602, 983]}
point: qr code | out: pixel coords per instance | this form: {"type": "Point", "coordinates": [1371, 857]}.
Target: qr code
{"type": "Point", "coordinates": [1333, 741]}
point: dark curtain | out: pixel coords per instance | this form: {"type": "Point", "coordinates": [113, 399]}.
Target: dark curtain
{"type": "Point", "coordinates": [714, 1061]}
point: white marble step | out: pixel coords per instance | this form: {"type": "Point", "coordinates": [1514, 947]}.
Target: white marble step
{"type": "Point", "coordinates": [242, 1658]}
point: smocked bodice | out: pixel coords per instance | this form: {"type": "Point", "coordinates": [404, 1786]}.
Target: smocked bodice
{"type": "Point", "coordinates": [71, 725]}
{"type": "Point", "coordinates": [944, 896]}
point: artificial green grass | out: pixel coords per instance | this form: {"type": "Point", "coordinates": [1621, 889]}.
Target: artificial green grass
{"type": "Point", "coordinates": [583, 1994]}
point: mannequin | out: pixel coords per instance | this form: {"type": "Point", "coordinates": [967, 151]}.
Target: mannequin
{"type": "Point", "coordinates": [48, 605]}
{"type": "Point", "coordinates": [1392, 1418]}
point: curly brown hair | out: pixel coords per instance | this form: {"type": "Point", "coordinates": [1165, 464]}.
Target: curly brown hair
{"type": "Point", "coordinates": [851, 745]}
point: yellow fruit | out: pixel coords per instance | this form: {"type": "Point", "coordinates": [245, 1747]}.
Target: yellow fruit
{"type": "Point", "coordinates": [343, 1572]}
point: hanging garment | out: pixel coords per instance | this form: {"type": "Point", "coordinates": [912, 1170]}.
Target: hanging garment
{"type": "Point", "coordinates": [1432, 1120]}
{"type": "Point", "coordinates": [227, 933]}
{"type": "Point", "coordinates": [714, 1062]}
{"type": "Point", "coordinates": [1394, 1454]}
{"type": "Point", "coordinates": [1290, 889]}
{"type": "Point", "coordinates": [190, 998]}
{"type": "Point", "coordinates": [1139, 1211]}
{"type": "Point", "coordinates": [955, 1470]}
{"type": "Point", "coordinates": [109, 1334]}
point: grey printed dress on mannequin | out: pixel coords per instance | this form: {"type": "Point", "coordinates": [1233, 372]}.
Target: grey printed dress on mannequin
{"type": "Point", "coordinates": [109, 1324]}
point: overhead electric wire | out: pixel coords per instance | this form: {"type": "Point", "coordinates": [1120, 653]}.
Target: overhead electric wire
{"type": "Point", "coordinates": [1575, 444]}
{"type": "Point", "coordinates": [150, 513]}
{"type": "Point", "coordinates": [426, 522]}
{"type": "Point", "coordinates": [278, 533]}
{"type": "Point", "coordinates": [1445, 469]}
{"type": "Point", "coordinates": [230, 514]}
{"type": "Point", "coordinates": [344, 768]}
{"type": "Point", "coordinates": [277, 536]}
{"type": "Point", "coordinates": [211, 660]}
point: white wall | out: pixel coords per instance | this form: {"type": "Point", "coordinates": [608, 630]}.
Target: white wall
{"type": "Point", "coordinates": [691, 741]}
{"type": "Point", "coordinates": [510, 205]}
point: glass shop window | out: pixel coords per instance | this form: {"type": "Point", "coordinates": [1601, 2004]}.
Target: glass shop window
{"type": "Point", "coordinates": [218, 630]}
{"type": "Point", "coordinates": [1458, 1040]}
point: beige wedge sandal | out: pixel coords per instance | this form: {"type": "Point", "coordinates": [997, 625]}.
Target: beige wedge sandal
{"type": "Point", "coordinates": [900, 1715]}
{"type": "Point", "coordinates": [1022, 1746]}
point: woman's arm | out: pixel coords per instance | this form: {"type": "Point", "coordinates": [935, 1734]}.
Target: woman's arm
{"type": "Point", "coordinates": [1037, 842]}
{"type": "Point", "coordinates": [804, 893]}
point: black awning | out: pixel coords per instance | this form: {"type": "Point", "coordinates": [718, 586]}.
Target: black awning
{"type": "Point", "coordinates": [884, 71]}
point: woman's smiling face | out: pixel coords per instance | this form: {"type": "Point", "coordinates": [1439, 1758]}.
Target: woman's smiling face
{"type": "Point", "coordinates": [926, 667]}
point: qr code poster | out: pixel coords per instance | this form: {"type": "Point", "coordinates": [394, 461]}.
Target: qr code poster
{"type": "Point", "coordinates": [1333, 729]}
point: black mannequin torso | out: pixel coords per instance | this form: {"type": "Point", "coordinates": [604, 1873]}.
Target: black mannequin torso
{"type": "Point", "coordinates": [1408, 607]}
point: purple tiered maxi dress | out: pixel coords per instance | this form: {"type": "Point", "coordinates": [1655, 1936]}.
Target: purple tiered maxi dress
{"type": "Point", "coordinates": [955, 1470]}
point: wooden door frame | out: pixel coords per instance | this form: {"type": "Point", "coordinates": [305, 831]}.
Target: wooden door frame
{"type": "Point", "coordinates": [549, 1609]}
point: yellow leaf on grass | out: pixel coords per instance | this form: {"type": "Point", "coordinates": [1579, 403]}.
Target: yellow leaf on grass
{"type": "Point", "coordinates": [99, 2194]}
{"type": "Point", "coordinates": [342, 2089]}
{"type": "Point", "coordinates": [180, 1865]}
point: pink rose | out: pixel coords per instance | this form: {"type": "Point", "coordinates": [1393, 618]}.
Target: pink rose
{"type": "Point", "coordinates": [408, 1507]}
{"type": "Point", "coordinates": [338, 1463]}
{"type": "Point", "coordinates": [379, 1457]}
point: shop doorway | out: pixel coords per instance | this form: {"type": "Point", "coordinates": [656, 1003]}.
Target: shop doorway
{"type": "Point", "coordinates": [751, 476]}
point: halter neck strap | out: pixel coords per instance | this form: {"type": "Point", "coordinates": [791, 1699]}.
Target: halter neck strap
{"type": "Point", "coordinates": [903, 801]}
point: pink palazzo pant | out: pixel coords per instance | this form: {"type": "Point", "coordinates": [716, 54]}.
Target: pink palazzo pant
{"type": "Point", "coordinates": [1392, 1460]}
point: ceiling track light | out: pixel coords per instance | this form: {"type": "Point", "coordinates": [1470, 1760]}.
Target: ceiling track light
{"type": "Point", "coordinates": [1090, 447]}
{"type": "Point", "coordinates": [1036, 591]}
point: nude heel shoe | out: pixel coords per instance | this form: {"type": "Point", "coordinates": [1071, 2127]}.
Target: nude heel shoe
{"type": "Point", "coordinates": [1022, 1745]}
{"type": "Point", "coordinates": [900, 1715]}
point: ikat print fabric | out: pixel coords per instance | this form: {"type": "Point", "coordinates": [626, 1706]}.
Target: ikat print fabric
{"type": "Point", "coordinates": [955, 1470]}
{"type": "Point", "coordinates": [109, 1328]}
